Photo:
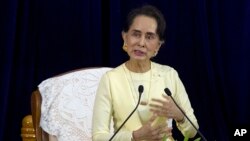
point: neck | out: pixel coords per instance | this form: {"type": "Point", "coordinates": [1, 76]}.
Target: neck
{"type": "Point", "coordinates": [139, 67]}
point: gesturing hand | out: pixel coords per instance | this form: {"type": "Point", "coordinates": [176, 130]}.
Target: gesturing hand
{"type": "Point", "coordinates": [148, 132]}
{"type": "Point", "coordinates": [166, 108]}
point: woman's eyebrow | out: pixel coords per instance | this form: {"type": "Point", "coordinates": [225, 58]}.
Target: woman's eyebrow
{"type": "Point", "coordinates": [135, 30]}
{"type": "Point", "coordinates": [151, 33]}
{"type": "Point", "coordinates": [148, 33]}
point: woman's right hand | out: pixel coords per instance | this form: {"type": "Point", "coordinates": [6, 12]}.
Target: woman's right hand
{"type": "Point", "coordinates": [148, 132]}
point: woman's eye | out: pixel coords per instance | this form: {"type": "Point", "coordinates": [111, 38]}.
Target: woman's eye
{"type": "Point", "coordinates": [150, 37]}
{"type": "Point", "coordinates": [136, 34]}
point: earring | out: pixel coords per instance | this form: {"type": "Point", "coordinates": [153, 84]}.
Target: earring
{"type": "Point", "coordinates": [124, 47]}
{"type": "Point", "coordinates": [156, 52]}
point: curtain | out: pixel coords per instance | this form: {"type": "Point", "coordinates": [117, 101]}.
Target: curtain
{"type": "Point", "coordinates": [207, 43]}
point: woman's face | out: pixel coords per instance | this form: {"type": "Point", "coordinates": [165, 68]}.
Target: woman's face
{"type": "Point", "coordinates": [141, 39]}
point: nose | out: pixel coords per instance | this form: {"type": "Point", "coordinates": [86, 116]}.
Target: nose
{"type": "Point", "coordinates": [142, 42]}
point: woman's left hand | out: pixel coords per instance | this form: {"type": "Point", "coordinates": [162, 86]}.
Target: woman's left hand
{"type": "Point", "coordinates": [166, 108]}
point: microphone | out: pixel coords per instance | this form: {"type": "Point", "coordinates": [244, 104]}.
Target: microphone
{"type": "Point", "coordinates": [140, 90]}
{"type": "Point", "coordinates": [167, 91]}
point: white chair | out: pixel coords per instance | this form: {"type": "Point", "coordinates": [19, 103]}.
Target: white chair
{"type": "Point", "coordinates": [62, 106]}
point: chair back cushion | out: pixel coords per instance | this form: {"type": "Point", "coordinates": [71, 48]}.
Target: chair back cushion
{"type": "Point", "coordinates": [67, 104]}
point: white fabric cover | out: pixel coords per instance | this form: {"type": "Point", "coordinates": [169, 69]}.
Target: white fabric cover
{"type": "Point", "coordinates": [67, 104]}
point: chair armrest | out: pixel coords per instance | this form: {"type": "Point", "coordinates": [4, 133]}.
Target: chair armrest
{"type": "Point", "coordinates": [36, 101]}
{"type": "Point", "coordinates": [27, 130]}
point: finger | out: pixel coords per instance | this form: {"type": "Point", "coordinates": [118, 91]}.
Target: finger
{"type": "Point", "coordinates": [156, 135]}
{"type": "Point", "coordinates": [159, 132]}
{"type": "Point", "coordinates": [168, 131]}
{"type": "Point", "coordinates": [155, 106]}
{"type": "Point", "coordinates": [169, 134]}
{"type": "Point", "coordinates": [152, 118]}
{"type": "Point", "coordinates": [158, 112]}
{"type": "Point", "coordinates": [165, 96]}
{"type": "Point", "coordinates": [160, 129]}
{"type": "Point", "coordinates": [161, 102]}
{"type": "Point", "coordinates": [155, 110]}
{"type": "Point", "coordinates": [158, 109]}
{"type": "Point", "coordinates": [158, 101]}
{"type": "Point", "coordinates": [168, 99]}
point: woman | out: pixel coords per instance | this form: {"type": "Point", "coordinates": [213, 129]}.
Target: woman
{"type": "Point", "coordinates": [117, 94]}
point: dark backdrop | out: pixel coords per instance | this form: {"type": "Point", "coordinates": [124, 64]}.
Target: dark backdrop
{"type": "Point", "coordinates": [207, 43]}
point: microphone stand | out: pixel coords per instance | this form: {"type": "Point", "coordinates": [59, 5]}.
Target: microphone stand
{"type": "Point", "coordinates": [140, 89]}
{"type": "Point", "coordinates": [167, 91]}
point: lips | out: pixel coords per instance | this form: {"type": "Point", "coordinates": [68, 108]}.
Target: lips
{"type": "Point", "coordinates": [139, 53]}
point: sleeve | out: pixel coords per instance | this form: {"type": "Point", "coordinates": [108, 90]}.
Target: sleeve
{"type": "Point", "coordinates": [182, 100]}
{"type": "Point", "coordinates": [102, 114]}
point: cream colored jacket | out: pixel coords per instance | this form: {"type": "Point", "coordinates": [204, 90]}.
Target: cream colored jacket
{"type": "Point", "coordinates": [115, 100]}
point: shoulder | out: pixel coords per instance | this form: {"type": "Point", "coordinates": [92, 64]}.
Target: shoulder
{"type": "Point", "coordinates": [164, 71]}
{"type": "Point", "coordinates": [163, 68]}
{"type": "Point", "coordinates": [115, 72]}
